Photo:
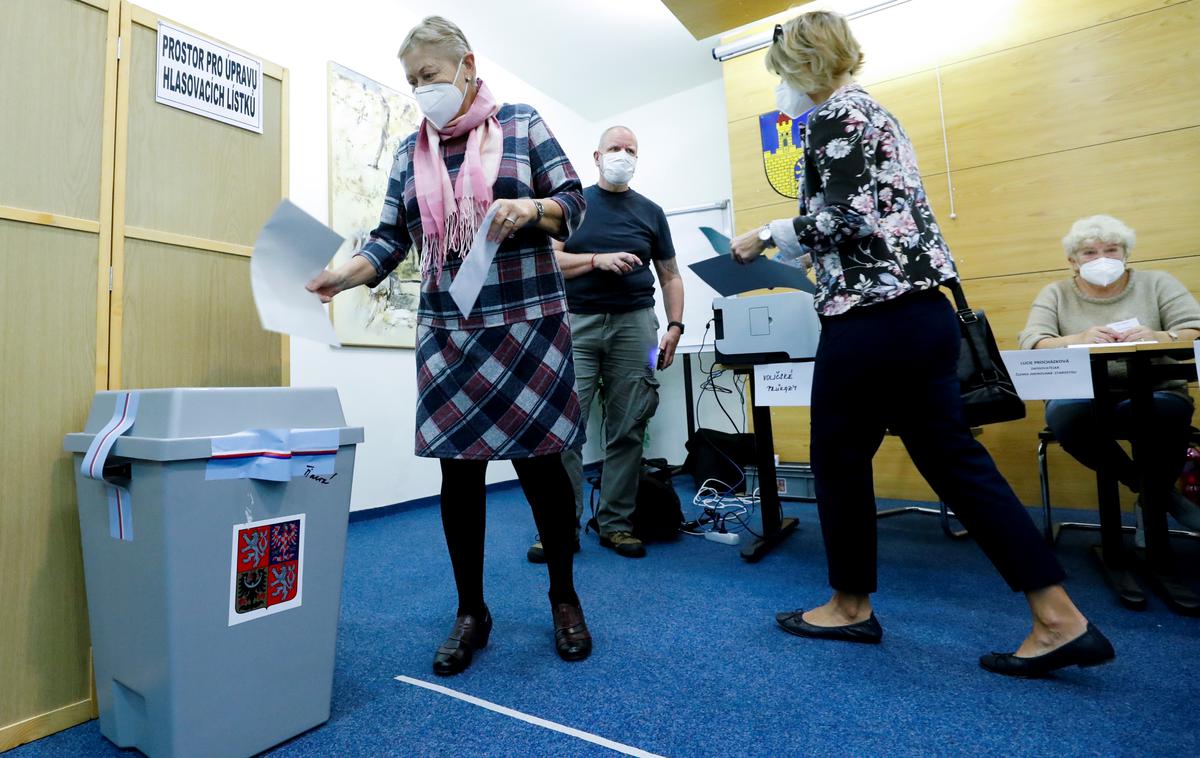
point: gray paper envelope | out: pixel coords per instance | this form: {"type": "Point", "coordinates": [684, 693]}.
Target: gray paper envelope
{"type": "Point", "coordinates": [291, 249]}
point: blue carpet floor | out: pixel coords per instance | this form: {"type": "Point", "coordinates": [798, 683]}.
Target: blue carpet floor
{"type": "Point", "coordinates": [688, 660]}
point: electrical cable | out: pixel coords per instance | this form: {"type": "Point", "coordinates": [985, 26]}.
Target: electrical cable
{"type": "Point", "coordinates": [717, 509]}
{"type": "Point", "coordinates": [710, 385]}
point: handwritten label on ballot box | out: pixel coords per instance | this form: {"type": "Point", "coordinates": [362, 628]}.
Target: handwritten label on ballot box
{"type": "Point", "coordinates": [783, 384]}
{"type": "Point", "coordinates": [1058, 374]}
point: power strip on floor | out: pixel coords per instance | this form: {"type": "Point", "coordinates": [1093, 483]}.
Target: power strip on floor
{"type": "Point", "coordinates": [726, 538]}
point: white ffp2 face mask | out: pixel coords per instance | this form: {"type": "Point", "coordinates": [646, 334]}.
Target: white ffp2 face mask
{"type": "Point", "coordinates": [791, 102]}
{"type": "Point", "coordinates": [1102, 271]}
{"type": "Point", "coordinates": [440, 101]}
{"type": "Point", "coordinates": [618, 167]}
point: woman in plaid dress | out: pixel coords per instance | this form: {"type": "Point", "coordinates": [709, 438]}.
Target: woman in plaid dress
{"type": "Point", "coordinates": [499, 383]}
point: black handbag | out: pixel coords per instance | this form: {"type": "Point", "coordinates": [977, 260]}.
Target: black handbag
{"type": "Point", "coordinates": [987, 390]}
{"type": "Point", "coordinates": [657, 513]}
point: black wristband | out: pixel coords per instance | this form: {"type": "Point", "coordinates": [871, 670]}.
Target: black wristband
{"type": "Point", "coordinates": [678, 324]}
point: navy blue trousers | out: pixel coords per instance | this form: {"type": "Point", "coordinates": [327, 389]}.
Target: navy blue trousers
{"type": "Point", "coordinates": [893, 366]}
{"type": "Point", "coordinates": [1074, 424]}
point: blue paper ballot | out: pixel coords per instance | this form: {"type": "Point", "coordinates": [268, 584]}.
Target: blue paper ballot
{"type": "Point", "coordinates": [719, 241]}
{"type": "Point", "coordinates": [728, 277]}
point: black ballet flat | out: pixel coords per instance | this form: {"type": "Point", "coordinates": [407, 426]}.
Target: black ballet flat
{"type": "Point", "coordinates": [468, 635]}
{"type": "Point", "coordinates": [869, 631]}
{"type": "Point", "coordinates": [1088, 649]}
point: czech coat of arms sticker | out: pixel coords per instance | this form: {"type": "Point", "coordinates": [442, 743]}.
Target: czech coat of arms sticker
{"type": "Point", "coordinates": [267, 568]}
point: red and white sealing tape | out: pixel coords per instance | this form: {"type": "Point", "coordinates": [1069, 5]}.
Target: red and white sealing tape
{"type": "Point", "coordinates": [120, 506]}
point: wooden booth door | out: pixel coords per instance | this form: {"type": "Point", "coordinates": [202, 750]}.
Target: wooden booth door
{"type": "Point", "coordinates": [57, 83]}
{"type": "Point", "coordinates": [191, 195]}
{"type": "Point", "coordinates": [125, 233]}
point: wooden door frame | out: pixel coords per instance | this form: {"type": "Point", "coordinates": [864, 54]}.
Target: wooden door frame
{"type": "Point", "coordinates": [132, 14]}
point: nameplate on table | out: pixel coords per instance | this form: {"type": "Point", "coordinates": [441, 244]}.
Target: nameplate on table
{"type": "Point", "coordinates": [1059, 374]}
{"type": "Point", "coordinates": [783, 384]}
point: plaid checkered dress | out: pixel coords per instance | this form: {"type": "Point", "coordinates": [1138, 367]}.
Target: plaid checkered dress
{"type": "Point", "coordinates": [499, 383]}
{"type": "Point", "coordinates": [500, 392]}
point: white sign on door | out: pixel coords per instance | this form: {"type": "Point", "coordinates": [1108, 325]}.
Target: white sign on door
{"type": "Point", "coordinates": [202, 77]}
{"type": "Point", "coordinates": [1059, 374]}
{"type": "Point", "coordinates": [783, 384]}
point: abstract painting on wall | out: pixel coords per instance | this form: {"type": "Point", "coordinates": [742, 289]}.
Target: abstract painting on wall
{"type": "Point", "coordinates": [367, 121]}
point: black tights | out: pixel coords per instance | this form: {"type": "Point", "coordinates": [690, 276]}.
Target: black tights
{"type": "Point", "coordinates": [552, 500]}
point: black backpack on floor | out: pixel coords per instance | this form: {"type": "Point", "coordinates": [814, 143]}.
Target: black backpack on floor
{"type": "Point", "coordinates": [657, 513]}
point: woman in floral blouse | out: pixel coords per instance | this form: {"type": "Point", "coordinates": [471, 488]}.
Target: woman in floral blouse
{"type": "Point", "coordinates": [888, 355]}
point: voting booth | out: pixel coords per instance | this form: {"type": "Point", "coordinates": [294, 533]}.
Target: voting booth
{"type": "Point", "coordinates": [213, 524]}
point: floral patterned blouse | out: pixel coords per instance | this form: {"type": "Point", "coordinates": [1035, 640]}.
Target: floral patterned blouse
{"type": "Point", "coordinates": [864, 217]}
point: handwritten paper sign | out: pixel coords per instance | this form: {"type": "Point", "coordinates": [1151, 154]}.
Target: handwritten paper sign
{"type": "Point", "coordinates": [1060, 374]}
{"type": "Point", "coordinates": [783, 384]}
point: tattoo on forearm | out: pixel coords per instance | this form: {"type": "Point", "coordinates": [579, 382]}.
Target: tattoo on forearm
{"type": "Point", "coordinates": [669, 266]}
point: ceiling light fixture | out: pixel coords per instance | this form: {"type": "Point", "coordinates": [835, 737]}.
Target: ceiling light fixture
{"type": "Point", "coordinates": [762, 40]}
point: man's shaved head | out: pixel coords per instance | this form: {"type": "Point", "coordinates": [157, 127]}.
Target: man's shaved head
{"type": "Point", "coordinates": [614, 134]}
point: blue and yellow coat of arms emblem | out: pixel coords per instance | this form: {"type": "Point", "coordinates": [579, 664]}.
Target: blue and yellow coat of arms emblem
{"type": "Point", "coordinates": [783, 151]}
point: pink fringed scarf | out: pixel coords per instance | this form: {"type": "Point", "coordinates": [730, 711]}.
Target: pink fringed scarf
{"type": "Point", "coordinates": [450, 216]}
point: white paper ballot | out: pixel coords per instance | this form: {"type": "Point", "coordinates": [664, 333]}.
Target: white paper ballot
{"type": "Point", "coordinates": [783, 384]}
{"type": "Point", "coordinates": [291, 249]}
{"type": "Point", "coordinates": [1126, 325]}
{"type": "Point", "coordinates": [468, 283]}
{"type": "Point", "coordinates": [1058, 374]}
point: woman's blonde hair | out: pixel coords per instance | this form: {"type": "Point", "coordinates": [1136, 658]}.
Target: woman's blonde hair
{"type": "Point", "coordinates": [1098, 229]}
{"type": "Point", "coordinates": [438, 33]}
{"type": "Point", "coordinates": [814, 49]}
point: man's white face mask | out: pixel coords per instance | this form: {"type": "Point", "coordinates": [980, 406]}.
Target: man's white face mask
{"type": "Point", "coordinates": [1102, 271]}
{"type": "Point", "coordinates": [618, 167]}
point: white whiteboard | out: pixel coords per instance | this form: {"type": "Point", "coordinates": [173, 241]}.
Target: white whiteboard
{"type": "Point", "coordinates": [691, 246]}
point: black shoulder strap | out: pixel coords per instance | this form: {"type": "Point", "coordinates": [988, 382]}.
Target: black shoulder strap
{"type": "Point", "coordinates": [960, 297]}
{"type": "Point", "coordinates": [975, 331]}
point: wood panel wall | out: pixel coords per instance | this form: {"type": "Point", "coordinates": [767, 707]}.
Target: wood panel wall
{"type": "Point", "coordinates": [1052, 111]}
{"type": "Point", "coordinates": [57, 74]}
{"type": "Point", "coordinates": [75, 196]}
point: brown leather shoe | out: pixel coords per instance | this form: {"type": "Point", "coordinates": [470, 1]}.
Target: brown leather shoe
{"type": "Point", "coordinates": [468, 635]}
{"type": "Point", "coordinates": [571, 636]}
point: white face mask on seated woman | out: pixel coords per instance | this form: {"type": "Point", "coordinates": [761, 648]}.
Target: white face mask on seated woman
{"type": "Point", "coordinates": [1102, 271]}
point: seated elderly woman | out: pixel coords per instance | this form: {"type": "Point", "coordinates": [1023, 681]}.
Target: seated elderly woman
{"type": "Point", "coordinates": [1105, 302]}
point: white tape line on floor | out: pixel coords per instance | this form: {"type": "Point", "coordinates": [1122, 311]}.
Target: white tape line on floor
{"type": "Point", "coordinates": [594, 739]}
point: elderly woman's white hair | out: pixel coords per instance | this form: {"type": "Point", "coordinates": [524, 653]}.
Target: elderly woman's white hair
{"type": "Point", "coordinates": [1099, 228]}
{"type": "Point", "coordinates": [438, 33]}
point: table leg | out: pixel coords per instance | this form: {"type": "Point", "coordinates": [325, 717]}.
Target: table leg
{"type": "Point", "coordinates": [1158, 560]}
{"type": "Point", "coordinates": [1110, 553]}
{"type": "Point", "coordinates": [774, 526]}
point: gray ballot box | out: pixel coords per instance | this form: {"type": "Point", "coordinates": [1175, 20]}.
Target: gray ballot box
{"type": "Point", "coordinates": [213, 524]}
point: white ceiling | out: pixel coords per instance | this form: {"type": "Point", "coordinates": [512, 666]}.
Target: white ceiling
{"type": "Point", "coordinates": [597, 57]}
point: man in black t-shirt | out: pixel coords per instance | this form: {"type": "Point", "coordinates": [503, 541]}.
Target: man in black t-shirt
{"type": "Point", "coordinates": [610, 294]}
